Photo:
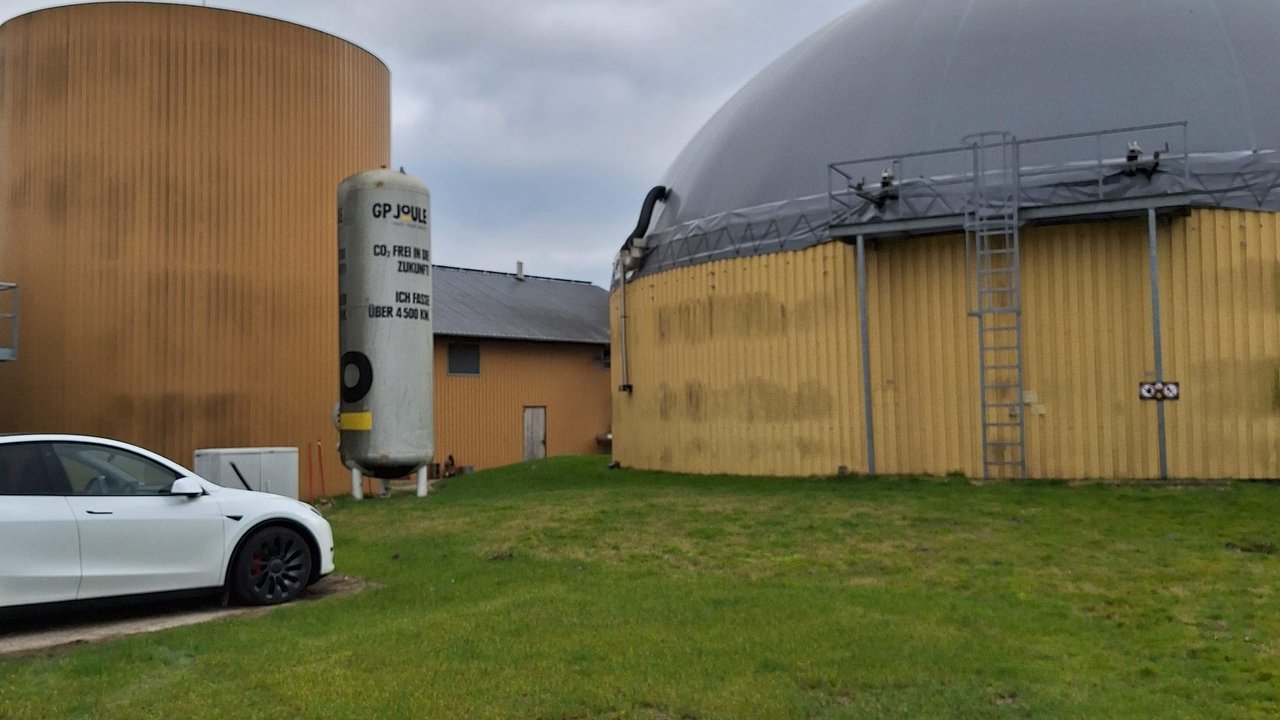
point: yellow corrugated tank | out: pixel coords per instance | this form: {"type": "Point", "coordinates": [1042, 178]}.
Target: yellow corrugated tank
{"type": "Point", "coordinates": [1220, 284]}
{"type": "Point", "coordinates": [167, 207]}
{"type": "Point", "coordinates": [742, 366]}
{"type": "Point", "coordinates": [752, 365]}
{"type": "Point", "coordinates": [1064, 252]}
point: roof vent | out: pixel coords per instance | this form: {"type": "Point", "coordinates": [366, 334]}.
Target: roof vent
{"type": "Point", "coordinates": [520, 270]}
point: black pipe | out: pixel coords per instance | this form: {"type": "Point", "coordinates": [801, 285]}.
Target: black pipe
{"type": "Point", "coordinates": [242, 480]}
{"type": "Point", "coordinates": [658, 193]}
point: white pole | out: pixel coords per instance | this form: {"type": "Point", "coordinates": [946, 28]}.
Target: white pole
{"type": "Point", "coordinates": [423, 487]}
{"type": "Point", "coordinates": [356, 481]}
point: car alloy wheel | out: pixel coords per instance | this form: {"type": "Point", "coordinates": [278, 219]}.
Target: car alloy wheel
{"type": "Point", "coordinates": [273, 566]}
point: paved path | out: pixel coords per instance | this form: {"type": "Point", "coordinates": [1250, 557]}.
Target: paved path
{"type": "Point", "coordinates": [36, 631]}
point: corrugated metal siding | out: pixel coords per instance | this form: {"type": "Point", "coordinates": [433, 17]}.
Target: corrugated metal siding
{"type": "Point", "coordinates": [746, 366]}
{"type": "Point", "coordinates": [1220, 291]}
{"type": "Point", "coordinates": [1087, 344]}
{"type": "Point", "coordinates": [167, 203]}
{"type": "Point", "coordinates": [923, 358]}
{"type": "Point", "coordinates": [1088, 340]}
{"type": "Point", "coordinates": [480, 419]}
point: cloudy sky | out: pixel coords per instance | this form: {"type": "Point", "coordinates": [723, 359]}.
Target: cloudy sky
{"type": "Point", "coordinates": [539, 125]}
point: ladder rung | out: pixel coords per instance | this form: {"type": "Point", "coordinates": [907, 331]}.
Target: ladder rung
{"type": "Point", "coordinates": [991, 348]}
{"type": "Point", "coordinates": [1000, 367]}
{"type": "Point", "coordinates": [1003, 462]}
{"type": "Point", "coordinates": [1002, 424]}
{"type": "Point", "coordinates": [1005, 443]}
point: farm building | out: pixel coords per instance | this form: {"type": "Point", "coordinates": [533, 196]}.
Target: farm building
{"type": "Point", "coordinates": [1031, 241]}
{"type": "Point", "coordinates": [521, 366]}
{"type": "Point", "coordinates": [167, 210]}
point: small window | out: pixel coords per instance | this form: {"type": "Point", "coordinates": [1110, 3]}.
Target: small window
{"type": "Point", "coordinates": [604, 359]}
{"type": "Point", "coordinates": [464, 359]}
{"type": "Point", "coordinates": [104, 470]}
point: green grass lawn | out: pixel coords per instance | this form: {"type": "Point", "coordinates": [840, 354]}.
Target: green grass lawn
{"type": "Point", "coordinates": [562, 589]}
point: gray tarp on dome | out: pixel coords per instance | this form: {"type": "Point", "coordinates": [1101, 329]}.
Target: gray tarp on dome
{"type": "Point", "coordinates": [903, 76]}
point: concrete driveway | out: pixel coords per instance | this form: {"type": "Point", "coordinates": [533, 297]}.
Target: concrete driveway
{"type": "Point", "coordinates": [41, 630]}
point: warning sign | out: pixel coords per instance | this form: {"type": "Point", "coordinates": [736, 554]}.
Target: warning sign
{"type": "Point", "coordinates": [1159, 390]}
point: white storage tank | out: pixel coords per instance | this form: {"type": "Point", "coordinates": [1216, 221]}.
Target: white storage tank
{"type": "Point", "coordinates": [385, 325]}
{"type": "Point", "coordinates": [266, 469]}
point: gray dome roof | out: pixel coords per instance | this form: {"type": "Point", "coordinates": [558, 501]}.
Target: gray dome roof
{"type": "Point", "coordinates": [900, 76]}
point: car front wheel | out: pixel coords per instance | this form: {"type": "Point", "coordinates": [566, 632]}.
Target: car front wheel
{"type": "Point", "coordinates": [272, 566]}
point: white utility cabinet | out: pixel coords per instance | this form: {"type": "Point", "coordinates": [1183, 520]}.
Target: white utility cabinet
{"type": "Point", "coordinates": [272, 469]}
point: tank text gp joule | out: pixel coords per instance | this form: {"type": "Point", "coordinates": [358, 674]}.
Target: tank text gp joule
{"type": "Point", "coordinates": [402, 212]}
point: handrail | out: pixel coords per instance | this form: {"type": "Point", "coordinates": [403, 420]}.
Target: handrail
{"type": "Point", "coordinates": [926, 194]}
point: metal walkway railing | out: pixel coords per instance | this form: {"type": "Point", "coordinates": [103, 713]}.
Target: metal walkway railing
{"type": "Point", "coordinates": [928, 192]}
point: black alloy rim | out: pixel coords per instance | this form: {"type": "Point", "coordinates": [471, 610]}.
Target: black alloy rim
{"type": "Point", "coordinates": [277, 566]}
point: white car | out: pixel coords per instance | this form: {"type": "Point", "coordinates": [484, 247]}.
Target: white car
{"type": "Point", "coordinates": [86, 517]}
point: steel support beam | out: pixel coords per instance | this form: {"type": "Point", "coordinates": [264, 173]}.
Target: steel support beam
{"type": "Point", "coordinates": [867, 417]}
{"type": "Point", "coordinates": [1048, 215]}
{"type": "Point", "coordinates": [1154, 265]}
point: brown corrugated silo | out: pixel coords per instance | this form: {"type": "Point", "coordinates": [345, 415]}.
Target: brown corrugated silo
{"type": "Point", "coordinates": [167, 207]}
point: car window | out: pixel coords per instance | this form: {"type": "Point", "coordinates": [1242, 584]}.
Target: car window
{"type": "Point", "coordinates": [25, 470]}
{"type": "Point", "coordinates": [104, 470]}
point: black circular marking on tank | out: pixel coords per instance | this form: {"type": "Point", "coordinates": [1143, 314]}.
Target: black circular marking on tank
{"type": "Point", "coordinates": [364, 377]}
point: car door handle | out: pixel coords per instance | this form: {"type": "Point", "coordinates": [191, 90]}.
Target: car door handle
{"type": "Point", "coordinates": [98, 512]}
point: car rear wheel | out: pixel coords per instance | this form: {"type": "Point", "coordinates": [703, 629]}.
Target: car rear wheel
{"type": "Point", "coordinates": [273, 566]}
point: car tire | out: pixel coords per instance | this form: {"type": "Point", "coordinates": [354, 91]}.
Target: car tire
{"type": "Point", "coordinates": [272, 566]}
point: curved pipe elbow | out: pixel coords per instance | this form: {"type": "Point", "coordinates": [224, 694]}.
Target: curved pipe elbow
{"type": "Point", "coordinates": [658, 194]}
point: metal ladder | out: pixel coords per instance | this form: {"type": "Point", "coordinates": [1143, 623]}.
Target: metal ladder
{"type": "Point", "coordinates": [995, 299]}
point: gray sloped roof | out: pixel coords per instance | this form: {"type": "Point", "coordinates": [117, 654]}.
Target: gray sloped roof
{"type": "Point", "coordinates": [484, 304]}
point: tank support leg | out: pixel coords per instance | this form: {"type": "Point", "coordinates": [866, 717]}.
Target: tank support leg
{"type": "Point", "coordinates": [356, 481]}
{"type": "Point", "coordinates": [423, 487]}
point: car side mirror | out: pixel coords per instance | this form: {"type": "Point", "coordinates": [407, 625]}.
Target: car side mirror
{"type": "Point", "coordinates": [187, 486]}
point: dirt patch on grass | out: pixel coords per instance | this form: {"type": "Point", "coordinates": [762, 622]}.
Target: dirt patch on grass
{"type": "Point", "coordinates": [38, 631]}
